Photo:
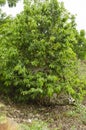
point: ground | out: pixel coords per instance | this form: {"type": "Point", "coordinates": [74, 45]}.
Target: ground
{"type": "Point", "coordinates": [48, 118]}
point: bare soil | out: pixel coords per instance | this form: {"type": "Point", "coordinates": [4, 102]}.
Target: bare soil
{"type": "Point", "coordinates": [57, 117]}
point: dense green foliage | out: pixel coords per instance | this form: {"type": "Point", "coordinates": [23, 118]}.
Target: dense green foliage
{"type": "Point", "coordinates": [10, 2]}
{"type": "Point", "coordinates": [36, 53]}
{"type": "Point", "coordinates": [80, 47]}
{"type": "Point", "coordinates": [2, 2]}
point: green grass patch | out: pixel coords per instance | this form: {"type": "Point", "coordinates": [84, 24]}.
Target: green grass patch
{"type": "Point", "coordinates": [35, 125]}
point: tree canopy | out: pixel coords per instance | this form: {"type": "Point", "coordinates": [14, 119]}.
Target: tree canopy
{"type": "Point", "coordinates": [11, 3]}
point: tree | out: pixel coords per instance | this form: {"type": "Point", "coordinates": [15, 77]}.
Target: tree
{"type": "Point", "coordinates": [37, 51]}
{"type": "Point", "coordinates": [11, 3]}
{"type": "Point", "coordinates": [80, 47]}
{"type": "Point", "coordinates": [2, 2]}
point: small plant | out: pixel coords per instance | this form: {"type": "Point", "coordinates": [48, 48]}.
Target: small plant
{"type": "Point", "coordinates": [81, 110]}
{"type": "Point", "coordinates": [36, 125]}
{"type": "Point", "coordinates": [71, 113]}
{"type": "Point", "coordinates": [73, 128]}
{"type": "Point", "coordinates": [83, 118]}
{"type": "Point", "coordinates": [3, 119]}
{"type": "Point", "coordinates": [59, 127]}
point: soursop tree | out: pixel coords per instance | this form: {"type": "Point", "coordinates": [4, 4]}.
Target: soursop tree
{"type": "Point", "coordinates": [38, 52]}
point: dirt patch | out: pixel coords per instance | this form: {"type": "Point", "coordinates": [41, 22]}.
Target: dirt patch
{"type": "Point", "coordinates": [56, 117]}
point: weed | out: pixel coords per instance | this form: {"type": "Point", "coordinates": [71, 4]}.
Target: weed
{"type": "Point", "coordinates": [36, 125]}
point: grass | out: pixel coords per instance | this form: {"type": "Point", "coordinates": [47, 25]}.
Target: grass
{"type": "Point", "coordinates": [36, 125]}
{"type": "Point", "coordinates": [82, 69]}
